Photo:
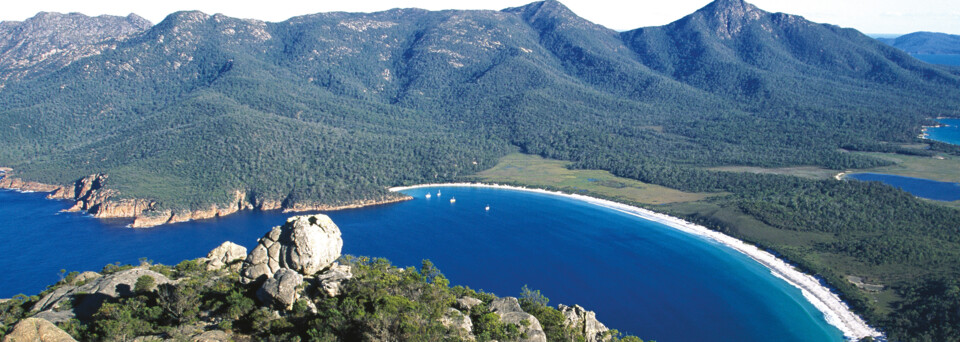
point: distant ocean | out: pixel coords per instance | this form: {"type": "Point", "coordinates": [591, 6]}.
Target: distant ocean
{"type": "Point", "coordinates": [938, 59]}
{"type": "Point", "coordinates": [639, 276]}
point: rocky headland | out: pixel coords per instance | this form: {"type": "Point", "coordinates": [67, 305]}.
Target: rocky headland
{"type": "Point", "coordinates": [91, 195]}
{"type": "Point", "coordinates": [294, 285]}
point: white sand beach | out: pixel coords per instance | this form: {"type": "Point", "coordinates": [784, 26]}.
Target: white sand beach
{"type": "Point", "coordinates": [835, 311]}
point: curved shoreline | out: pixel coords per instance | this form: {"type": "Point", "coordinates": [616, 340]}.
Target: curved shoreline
{"type": "Point", "coordinates": [835, 311]}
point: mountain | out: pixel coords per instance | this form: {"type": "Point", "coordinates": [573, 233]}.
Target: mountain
{"type": "Point", "coordinates": [50, 41]}
{"type": "Point", "coordinates": [932, 43]}
{"type": "Point", "coordinates": [203, 115]}
{"type": "Point", "coordinates": [426, 96]}
{"type": "Point", "coordinates": [733, 48]}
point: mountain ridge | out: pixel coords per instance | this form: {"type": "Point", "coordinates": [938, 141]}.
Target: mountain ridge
{"type": "Point", "coordinates": [330, 109]}
{"type": "Point", "coordinates": [926, 43]}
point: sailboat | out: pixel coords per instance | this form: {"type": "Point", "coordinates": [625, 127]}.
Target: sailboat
{"type": "Point", "coordinates": [428, 195]}
{"type": "Point", "coordinates": [438, 193]}
{"type": "Point", "coordinates": [487, 208]}
{"type": "Point", "coordinates": [453, 200]}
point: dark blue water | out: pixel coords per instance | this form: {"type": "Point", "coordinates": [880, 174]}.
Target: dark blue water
{"type": "Point", "coordinates": [940, 191]}
{"type": "Point", "coordinates": [938, 59]}
{"type": "Point", "coordinates": [640, 277]}
{"type": "Point", "coordinates": [948, 133]}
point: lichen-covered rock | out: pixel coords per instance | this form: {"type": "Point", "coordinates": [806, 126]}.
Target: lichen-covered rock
{"type": "Point", "coordinates": [305, 244]}
{"type": "Point", "coordinates": [85, 277]}
{"type": "Point", "coordinates": [331, 279]}
{"type": "Point", "coordinates": [280, 291]}
{"type": "Point", "coordinates": [453, 318]}
{"type": "Point", "coordinates": [584, 321]}
{"type": "Point", "coordinates": [86, 299]}
{"type": "Point", "coordinates": [510, 312]}
{"type": "Point", "coordinates": [225, 254]}
{"type": "Point", "coordinates": [213, 336]}
{"type": "Point", "coordinates": [37, 330]}
{"type": "Point", "coordinates": [467, 303]}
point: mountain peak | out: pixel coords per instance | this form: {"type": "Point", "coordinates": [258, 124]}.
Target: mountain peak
{"type": "Point", "coordinates": [732, 10]}
{"type": "Point", "coordinates": [540, 9]}
{"type": "Point", "coordinates": [732, 6]}
{"type": "Point", "coordinates": [185, 17]}
{"type": "Point", "coordinates": [728, 17]}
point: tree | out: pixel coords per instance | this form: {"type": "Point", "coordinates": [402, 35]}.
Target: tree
{"type": "Point", "coordinates": [144, 284]}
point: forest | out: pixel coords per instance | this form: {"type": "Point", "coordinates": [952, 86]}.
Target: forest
{"type": "Point", "coordinates": [332, 108]}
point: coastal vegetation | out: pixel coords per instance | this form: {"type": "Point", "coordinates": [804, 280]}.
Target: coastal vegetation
{"type": "Point", "coordinates": [316, 295]}
{"type": "Point", "coordinates": [335, 108]}
{"type": "Point", "coordinates": [380, 302]}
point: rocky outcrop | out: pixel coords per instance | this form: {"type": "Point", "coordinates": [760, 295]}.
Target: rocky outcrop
{"type": "Point", "coordinates": [91, 195]}
{"type": "Point", "coordinates": [86, 299]}
{"type": "Point", "coordinates": [213, 336]}
{"type": "Point", "coordinates": [193, 333]}
{"type": "Point", "coordinates": [37, 330]}
{"type": "Point", "coordinates": [583, 321]}
{"type": "Point", "coordinates": [85, 277]}
{"type": "Point", "coordinates": [455, 319]}
{"type": "Point", "coordinates": [510, 312]}
{"type": "Point", "coordinates": [281, 290]}
{"type": "Point", "coordinates": [19, 184]}
{"type": "Point", "coordinates": [226, 254]}
{"type": "Point", "coordinates": [305, 244]}
{"type": "Point", "coordinates": [329, 281]}
{"type": "Point", "coordinates": [467, 303]}
{"type": "Point", "coordinates": [156, 218]}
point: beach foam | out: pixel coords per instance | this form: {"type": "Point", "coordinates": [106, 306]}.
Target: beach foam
{"type": "Point", "coordinates": [834, 310]}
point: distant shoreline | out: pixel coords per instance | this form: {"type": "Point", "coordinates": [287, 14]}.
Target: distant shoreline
{"type": "Point", "coordinates": [134, 209]}
{"type": "Point", "coordinates": [835, 311]}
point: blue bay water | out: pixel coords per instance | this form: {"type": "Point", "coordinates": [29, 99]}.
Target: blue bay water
{"type": "Point", "coordinates": [948, 133]}
{"type": "Point", "coordinates": [925, 188]}
{"type": "Point", "coordinates": [946, 59]}
{"type": "Point", "coordinates": [639, 276]}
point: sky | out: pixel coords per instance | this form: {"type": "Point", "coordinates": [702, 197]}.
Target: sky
{"type": "Point", "coordinates": [868, 16]}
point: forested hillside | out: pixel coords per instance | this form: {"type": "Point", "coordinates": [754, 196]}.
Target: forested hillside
{"type": "Point", "coordinates": [334, 108]}
{"type": "Point", "coordinates": [926, 43]}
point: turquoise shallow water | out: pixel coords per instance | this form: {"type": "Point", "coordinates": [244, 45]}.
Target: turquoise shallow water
{"type": "Point", "coordinates": [639, 276]}
{"type": "Point", "coordinates": [948, 133]}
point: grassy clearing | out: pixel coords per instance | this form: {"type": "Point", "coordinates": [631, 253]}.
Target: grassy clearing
{"type": "Point", "coordinates": [539, 172]}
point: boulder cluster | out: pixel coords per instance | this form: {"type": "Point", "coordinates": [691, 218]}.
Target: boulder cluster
{"type": "Point", "coordinates": [290, 253]}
